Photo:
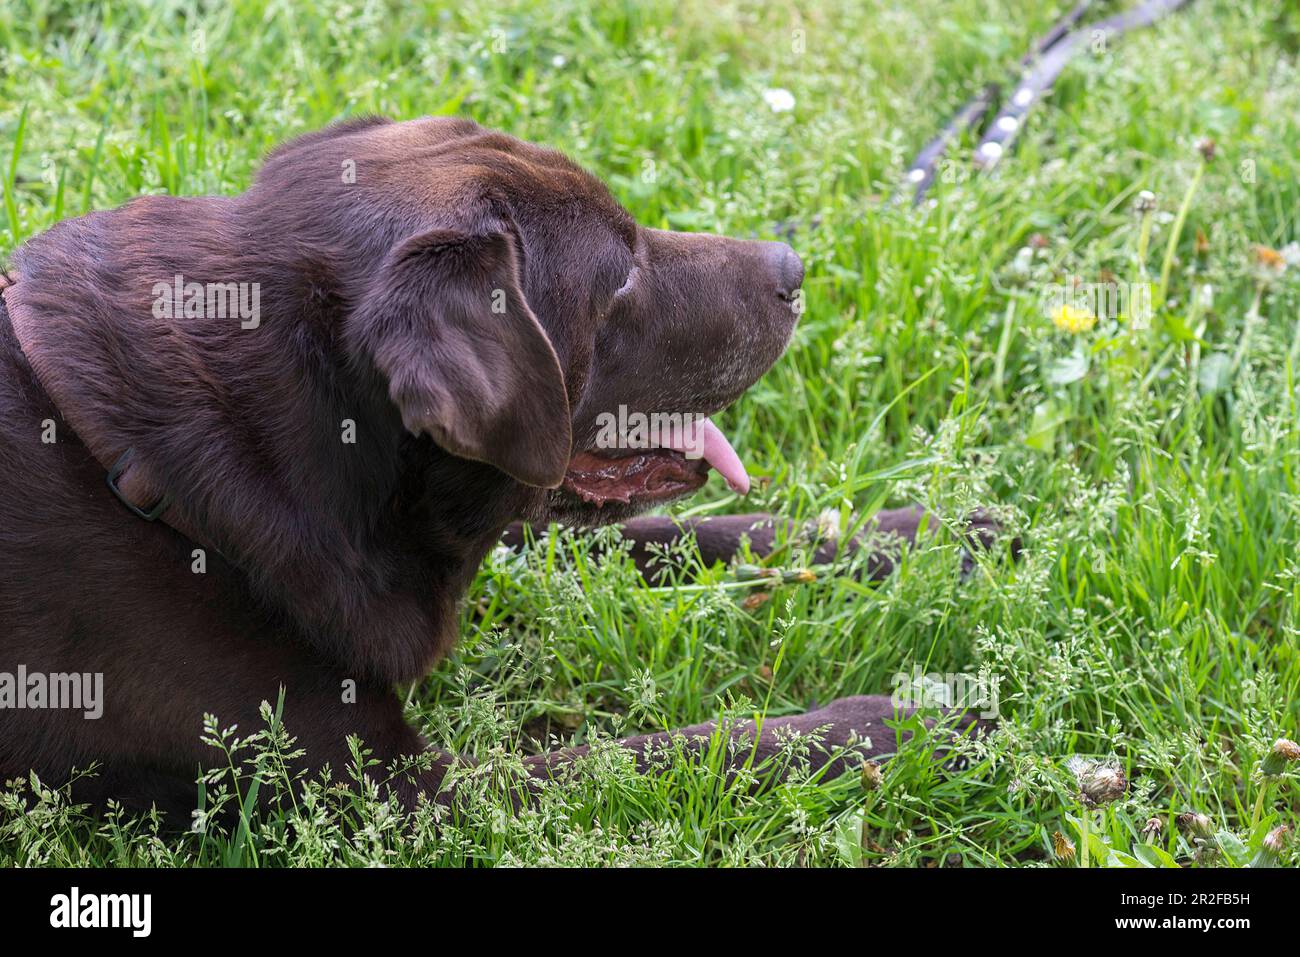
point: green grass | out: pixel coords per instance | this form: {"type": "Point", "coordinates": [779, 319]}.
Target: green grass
{"type": "Point", "coordinates": [1152, 620]}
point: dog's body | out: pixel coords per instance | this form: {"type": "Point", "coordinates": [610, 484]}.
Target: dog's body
{"type": "Point", "coordinates": [444, 314]}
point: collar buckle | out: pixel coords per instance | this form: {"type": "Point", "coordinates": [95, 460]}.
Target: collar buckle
{"type": "Point", "coordinates": [150, 514]}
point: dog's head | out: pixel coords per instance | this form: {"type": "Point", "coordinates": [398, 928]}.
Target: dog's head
{"type": "Point", "coordinates": [520, 317]}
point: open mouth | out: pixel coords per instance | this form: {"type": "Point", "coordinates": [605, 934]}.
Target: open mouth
{"type": "Point", "coordinates": [649, 475]}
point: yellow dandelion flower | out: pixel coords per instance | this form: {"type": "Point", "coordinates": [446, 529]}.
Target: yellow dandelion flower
{"type": "Point", "coordinates": [1072, 319]}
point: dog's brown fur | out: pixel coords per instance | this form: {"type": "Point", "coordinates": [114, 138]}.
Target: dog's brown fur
{"type": "Point", "coordinates": [332, 561]}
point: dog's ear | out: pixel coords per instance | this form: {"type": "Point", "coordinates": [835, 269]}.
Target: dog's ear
{"type": "Point", "coordinates": [445, 321]}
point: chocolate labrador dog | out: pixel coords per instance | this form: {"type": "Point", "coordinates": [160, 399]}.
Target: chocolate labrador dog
{"type": "Point", "coordinates": [265, 440]}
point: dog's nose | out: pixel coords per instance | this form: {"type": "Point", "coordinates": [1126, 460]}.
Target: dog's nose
{"type": "Point", "coordinates": [787, 268]}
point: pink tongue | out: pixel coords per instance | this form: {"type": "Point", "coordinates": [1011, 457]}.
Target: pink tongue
{"type": "Point", "coordinates": [717, 452]}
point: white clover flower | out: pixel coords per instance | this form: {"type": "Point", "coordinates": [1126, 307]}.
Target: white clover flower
{"type": "Point", "coordinates": [779, 100]}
